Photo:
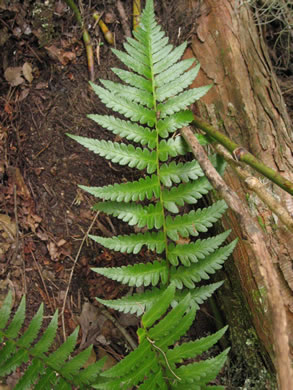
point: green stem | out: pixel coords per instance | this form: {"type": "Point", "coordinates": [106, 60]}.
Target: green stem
{"type": "Point", "coordinates": [86, 38]}
{"type": "Point", "coordinates": [244, 155]}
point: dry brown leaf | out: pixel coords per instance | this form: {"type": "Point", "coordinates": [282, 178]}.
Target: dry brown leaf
{"type": "Point", "coordinates": [13, 76]}
{"type": "Point", "coordinates": [27, 72]}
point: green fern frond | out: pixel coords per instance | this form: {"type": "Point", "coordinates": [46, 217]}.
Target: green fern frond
{"type": "Point", "coordinates": [137, 274]}
{"type": "Point", "coordinates": [173, 122]}
{"type": "Point", "coordinates": [179, 172]}
{"type": "Point", "coordinates": [150, 216]}
{"type": "Point", "coordinates": [194, 251]}
{"type": "Point", "coordinates": [129, 130]}
{"type": "Point", "coordinates": [195, 221]}
{"type": "Point", "coordinates": [129, 109]}
{"type": "Point", "coordinates": [141, 302]}
{"type": "Point", "coordinates": [194, 348]}
{"type": "Point", "coordinates": [133, 243]}
{"type": "Point", "coordinates": [120, 153]}
{"type": "Point", "coordinates": [185, 193]}
{"type": "Point", "coordinates": [186, 276]}
{"type": "Point", "coordinates": [154, 98]}
{"type": "Point", "coordinates": [45, 369]}
{"type": "Point", "coordinates": [137, 190]}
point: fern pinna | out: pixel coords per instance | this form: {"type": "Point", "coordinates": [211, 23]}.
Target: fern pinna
{"type": "Point", "coordinates": [154, 100]}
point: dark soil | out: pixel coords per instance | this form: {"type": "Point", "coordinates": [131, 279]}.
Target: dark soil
{"type": "Point", "coordinates": [40, 167]}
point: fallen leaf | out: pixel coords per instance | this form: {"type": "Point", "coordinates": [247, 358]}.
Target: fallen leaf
{"type": "Point", "coordinates": [53, 251]}
{"type": "Point", "coordinates": [27, 72]}
{"type": "Point", "coordinates": [13, 76]}
{"type": "Point", "coordinates": [23, 94]}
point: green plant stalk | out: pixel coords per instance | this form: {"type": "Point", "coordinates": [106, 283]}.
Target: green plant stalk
{"type": "Point", "coordinates": [86, 38]}
{"type": "Point", "coordinates": [245, 156]}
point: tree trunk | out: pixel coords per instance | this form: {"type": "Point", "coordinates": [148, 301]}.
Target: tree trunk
{"type": "Point", "coordinates": [246, 104]}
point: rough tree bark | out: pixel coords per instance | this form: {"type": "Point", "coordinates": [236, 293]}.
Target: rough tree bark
{"type": "Point", "coordinates": [246, 104]}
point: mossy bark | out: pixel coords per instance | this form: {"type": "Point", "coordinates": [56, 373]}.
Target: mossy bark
{"type": "Point", "coordinates": [246, 104]}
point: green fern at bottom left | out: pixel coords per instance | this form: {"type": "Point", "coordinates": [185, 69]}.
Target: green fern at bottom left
{"type": "Point", "coordinates": [42, 369]}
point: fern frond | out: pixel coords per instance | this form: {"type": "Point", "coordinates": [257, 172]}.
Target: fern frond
{"type": "Point", "coordinates": [181, 101]}
{"type": "Point", "coordinates": [120, 153]}
{"type": "Point", "coordinates": [188, 275]}
{"type": "Point", "coordinates": [133, 243]}
{"type": "Point", "coordinates": [185, 193]}
{"type": "Point", "coordinates": [180, 172]}
{"type": "Point", "coordinates": [45, 370]}
{"type": "Point", "coordinates": [174, 122]}
{"type": "Point", "coordinates": [200, 373]}
{"type": "Point", "coordinates": [194, 251]}
{"type": "Point", "coordinates": [156, 95]}
{"type": "Point", "coordinates": [125, 192]}
{"type": "Point", "coordinates": [173, 72]}
{"type": "Point", "coordinates": [159, 308]}
{"type": "Point", "coordinates": [137, 274]}
{"type": "Point", "coordinates": [134, 304]}
{"type": "Point", "coordinates": [194, 348]}
{"type": "Point", "coordinates": [131, 93]}
{"type": "Point", "coordinates": [178, 85]}
{"type": "Point", "coordinates": [129, 130]}
{"type": "Point", "coordinates": [133, 79]}
{"type": "Point", "coordinates": [195, 221]}
{"type": "Point", "coordinates": [150, 216]}
{"type": "Point", "coordinates": [129, 109]}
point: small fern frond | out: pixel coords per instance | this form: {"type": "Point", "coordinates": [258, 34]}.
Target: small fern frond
{"type": "Point", "coordinates": [159, 308]}
{"type": "Point", "coordinates": [175, 173]}
{"type": "Point", "coordinates": [182, 101]}
{"type": "Point", "coordinates": [185, 193]}
{"type": "Point", "coordinates": [138, 274]}
{"type": "Point", "coordinates": [194, 348]}
{"type": "Point", "coordinates": [131, 110]}
{"type": "Point", "coordinates": [137, 190]}
{"type": "Point", "coordinates": [45, 370]}
{"type": "Point", "coordinates": [134, 304]}
{"type": "Point", "coordinates": [129, 130]}
{"type": "Point", "coordinates": [178, 85]}
{"type": "Point", "coordinates": [133, 214]}
{"type": "Point", "coordinates": [173, 122]}
{"type": "Point", "coordinates": [200, 373]}
{"type": "Point", "coordinates": [194, 251]}
{"type": "Point", "coordinates": [133, 243]}
{"type": "Point", "coordinates": [186, 276]}
{"type": "Point", "coordinates": [195, 221]}
{"type": "Point", "coordinates": [174, 72]}
{"type": "Point", "coordinates": [120, 153]}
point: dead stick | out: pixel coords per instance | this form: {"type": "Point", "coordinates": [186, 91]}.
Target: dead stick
{"type": "Point", "coordinates": [123, 18]}
{"type": "Point", "coordinates": [256, 239]}
{"type": "Point", "coordinates": [72, 271]}
{"type": "Point", "coordinates": [244, 155]}
{"type": "Point", "coordinates": [258, 188]}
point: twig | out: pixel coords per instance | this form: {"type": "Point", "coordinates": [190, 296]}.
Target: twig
{"type": "Point", "coordinates": [256, 186]}
{"type": "Point", "coordinates": [86, 38]}
{"type": "Point", "coordinates": [136, 14]}
{"type": "Point", "coordinates": [257, 241]}
{"type": "Point", "coordinates": [123, 331]}
{"type": "Point", "coordinates": [107, 33]}
{"type": "Point", "coordinates": [123, 18]}
{"type": "Point", "coordinates": [72, 270]}
{"type": "Point", "coordinates": [43, 281]}
{"type": "Point", "coordinates": [244, 155]}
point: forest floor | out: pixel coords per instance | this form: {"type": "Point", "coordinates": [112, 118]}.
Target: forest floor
{"type": "Point", "coordinates": [44, 216]}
